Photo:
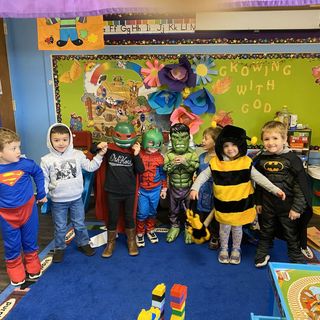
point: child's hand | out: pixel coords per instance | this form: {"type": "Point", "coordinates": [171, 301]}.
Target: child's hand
{"type": "Point", "coordinates": [281, 195]}
{"type": "Point", "coordinates": [179, 160]}
{"type": "Point", "coordinates": [136, 148]}
{"type": "Point", "coordinates": [103, 146]}
{"type": "Point", "coordinates": [194, 195]}
{"type": "Point", "coordinates": [259, 209]}
{"type": "Point", "coordinates": [163, 193]}
{"type": "Point", "coordinates": [293, 215]}
{"type": "Point", "coordinates": [43, 200]}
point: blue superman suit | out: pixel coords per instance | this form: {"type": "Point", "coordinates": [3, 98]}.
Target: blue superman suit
{"type": "Point", "coordinates": [19, 216]}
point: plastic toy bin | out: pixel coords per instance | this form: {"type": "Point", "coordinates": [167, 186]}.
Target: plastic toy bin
{"type": "Point", "coordinates": [314, 173]}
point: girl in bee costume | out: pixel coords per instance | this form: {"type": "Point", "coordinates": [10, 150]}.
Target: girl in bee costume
{"type": "Point", "coordinates": [232, 172]}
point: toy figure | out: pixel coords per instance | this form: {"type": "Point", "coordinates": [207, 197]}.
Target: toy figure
{"type": "Point", "coordinates": [122, 166]}
{"type": "Point", "coordinates": [198, 230]}
{"type": "Point", "coordinates": [153, 185]}
{"type": "Point", "coordinates": [180, 163]}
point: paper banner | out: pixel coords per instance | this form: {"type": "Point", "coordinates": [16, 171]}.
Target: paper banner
{"type": "Point", "coordinates": [78, 33]}
{"type": "Point", "coordinates": [99, 240]}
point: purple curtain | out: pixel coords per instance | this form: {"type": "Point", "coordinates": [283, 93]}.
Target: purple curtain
{"type": "Point", "coordinates": [272, 3]}
{"type": "Point", "coordinates": [71, 8]}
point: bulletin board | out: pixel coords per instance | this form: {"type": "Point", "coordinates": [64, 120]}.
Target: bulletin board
{"type": "Point", "coordinates": [93, 92]}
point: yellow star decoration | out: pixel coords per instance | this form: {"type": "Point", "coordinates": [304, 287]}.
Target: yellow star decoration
{"type": "Point", "coordinates": [92, 38]}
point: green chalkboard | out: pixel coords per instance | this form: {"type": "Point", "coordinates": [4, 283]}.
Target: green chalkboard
{"type": "Point", "coordinates": [251, 87]}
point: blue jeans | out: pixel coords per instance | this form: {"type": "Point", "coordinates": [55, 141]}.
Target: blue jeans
{"type": "Point", "coordinates": [60, 218]}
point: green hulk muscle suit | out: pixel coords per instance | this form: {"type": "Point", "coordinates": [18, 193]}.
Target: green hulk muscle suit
{"type": "Point", "coordinates": [180, 163]}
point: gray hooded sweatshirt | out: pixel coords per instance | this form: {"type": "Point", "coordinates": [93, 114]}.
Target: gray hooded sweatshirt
{"type": "Point", "coordinates": [63, 171]}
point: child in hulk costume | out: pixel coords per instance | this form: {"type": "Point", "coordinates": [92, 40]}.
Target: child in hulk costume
{"type": "Point", "coordinates": [180, 163]}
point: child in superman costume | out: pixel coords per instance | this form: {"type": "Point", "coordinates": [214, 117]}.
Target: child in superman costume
{"type": "Point", "coordinates": [18, 210]}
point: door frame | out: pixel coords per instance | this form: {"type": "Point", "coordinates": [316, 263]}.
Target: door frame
{"type": "Point", "coordinates": [6, 102]}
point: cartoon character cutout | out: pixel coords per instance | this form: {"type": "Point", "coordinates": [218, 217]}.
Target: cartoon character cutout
{"type": "Point", "coordinates": [68, 29]}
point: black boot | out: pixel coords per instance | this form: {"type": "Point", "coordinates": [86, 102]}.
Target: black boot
{"type": "Point", "coordinates": [61, 43]}
{"type": "Point", "coordinates": [77, 42]}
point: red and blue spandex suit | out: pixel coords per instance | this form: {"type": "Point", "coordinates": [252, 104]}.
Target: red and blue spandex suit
{"type": "Point", "coordinates": [152, 180]}
{"type": "Point", "coordinates": [19, 216]}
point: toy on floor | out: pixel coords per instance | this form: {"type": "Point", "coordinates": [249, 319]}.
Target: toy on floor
{"type": "Point", "coordinates": [156, 312]}
{"type": "Point", "coordinates": [151, 314]}
{"type": "Point", "coordinates": [158, 298]}
{"type": "Point", "coordinates": [178, 297]}
{"type": "Point", "coordinates": [198, 230]}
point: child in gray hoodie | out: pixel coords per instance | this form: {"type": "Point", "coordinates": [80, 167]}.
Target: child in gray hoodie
{"type": "Point", "coordinates": [62, 169]}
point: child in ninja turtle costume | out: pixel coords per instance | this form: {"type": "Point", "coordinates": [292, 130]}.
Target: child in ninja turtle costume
{"type": "Point", "coordinates": [180, 163]}
{"type": "Point", "coordinates": [152, 186]}
{"type": "Point", "coordinates": [122, 166]}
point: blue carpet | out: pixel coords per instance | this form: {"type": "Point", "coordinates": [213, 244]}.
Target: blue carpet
{"type": "Point", "coordinates": [118, 288]}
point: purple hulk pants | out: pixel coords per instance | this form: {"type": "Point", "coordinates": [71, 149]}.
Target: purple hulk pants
{"type": "Point", "coordinates": [178, 203]}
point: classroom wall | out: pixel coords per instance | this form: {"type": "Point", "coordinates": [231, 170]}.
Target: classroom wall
{"type": "Point", "coordinates": [31, 76]}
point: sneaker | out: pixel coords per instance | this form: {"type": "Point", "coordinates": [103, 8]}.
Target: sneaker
{"type": "Point", "coordinates": [33, 276]}
{"type": "Point", "coordinates": [152, 237]}
{"type": "Point", "coordinates": [214, 243]}
{"type": "Point", "coordinates": [18, 283]}
{"type": "Point", "coordinates": [140, 241]}
{"type": "Point", "coordinates": [307, 252]}
{"type": "Point", "coordinates": [235, 257]}
{"type": "Point", "coordinates": [87, 250]}
{"type": "Point", "coordinates": [58, 255]}
{"type": "Point", "coordinates": [223, 256]}
{"type": "Point", "coordinates": [259, 263]}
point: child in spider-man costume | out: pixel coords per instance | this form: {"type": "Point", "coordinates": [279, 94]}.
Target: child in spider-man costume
{"type": "Point", "coordinates": [18, 210]}
{"type": "Point", "coordinates": [153, 185]}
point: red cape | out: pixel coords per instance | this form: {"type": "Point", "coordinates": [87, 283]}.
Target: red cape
{"type": "Point", "coordinates": [101, 194]}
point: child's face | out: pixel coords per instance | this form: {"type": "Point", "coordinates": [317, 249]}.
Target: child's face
{"type": "Point", "coordinates": [60, 142]}
{"type": "Point", "coordinates": [11, 152]}
{"type": "Point", "coordinates": [151, 150]}
{"type": "Point", "coordinates": [273, 142]}
{"type": "Point", "coordinates": [207, 142]}
{"type": "Point", "coordinates": [231, 150]}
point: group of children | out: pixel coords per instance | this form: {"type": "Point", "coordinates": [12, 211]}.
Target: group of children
{"type": "Point", "coordinates": [137, 178]}
{"type": "Point", "coordinates": [282, 193]}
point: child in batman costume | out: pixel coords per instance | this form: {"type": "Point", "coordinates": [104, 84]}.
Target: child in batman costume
{"type": "Point", "coordinates": [286, 219]}
{"type": "Point", "coordinates": [232, 172]}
